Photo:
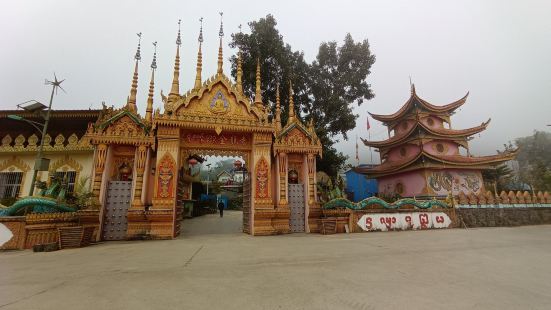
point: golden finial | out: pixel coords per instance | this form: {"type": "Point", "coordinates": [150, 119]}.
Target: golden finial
{"type": "Point", "coordinates": [221, 35]}
{"type": "Point", "coordinates": [278, 109]}
{"type": "Point", "coordinates": [291, 103]}
{"type": "Point", "coordinates": [149, 108]}
{"type": "Point", "coordinates": [199, 67]}
{"type": "Point", "coordinates": [258, 93]}
{"type": "Point", "coordinates": [178, 39]}
{"type": "Point", "coordinates": [131, 102]}
{"type": "Point", "coordinates": [175, 90]}
{"type": "Point", "coordinates": [240, 69]}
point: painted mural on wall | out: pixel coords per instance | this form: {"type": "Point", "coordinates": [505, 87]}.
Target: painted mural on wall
{"type": "Point", "coordinates": [442, 182]}
{"type": "Point", "coordinates": [404, 221]}
{"type": "Point", "coordinates": [262, 177]}
{"type": "Point", "coordinates": [166, 177]}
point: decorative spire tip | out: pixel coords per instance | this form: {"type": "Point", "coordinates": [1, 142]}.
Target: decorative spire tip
{"type": "Point", "coordinates": [138, 55]}
{"type": "Point", "coordinates": [154, 63]}
{"type": "Point", "coordinates": [178, 39]}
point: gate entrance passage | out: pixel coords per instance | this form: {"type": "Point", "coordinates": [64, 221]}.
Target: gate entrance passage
{"type": "Point", "coordinates": [115, 223]}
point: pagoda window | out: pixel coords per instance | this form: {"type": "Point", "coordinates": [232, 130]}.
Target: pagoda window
{"type": "Point", "coordinates": [440, 148]}
{"type": "Point", "coordinates": [403, 152]}
{"type": "Point", "coordinates": [430, 121]}
{"type": "Point", "coordinates": [10, 184]}
{"type": "Point", "coordinates": [69, 177]}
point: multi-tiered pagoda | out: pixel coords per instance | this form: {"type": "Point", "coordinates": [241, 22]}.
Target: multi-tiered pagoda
{"type": "Point", "coordinates": [422, 154]}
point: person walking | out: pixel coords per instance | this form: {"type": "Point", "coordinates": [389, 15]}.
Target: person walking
{"type": "Point", "coordinates": [221, 208]}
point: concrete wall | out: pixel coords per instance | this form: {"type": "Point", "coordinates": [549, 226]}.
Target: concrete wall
{"type": "Point", "coordinates": [495, 217]}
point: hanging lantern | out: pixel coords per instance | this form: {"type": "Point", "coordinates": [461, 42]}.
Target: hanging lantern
{"type": "Point", "coordinates": [237, 164]}
{"type": "Point", "coordinates": [192, 161]}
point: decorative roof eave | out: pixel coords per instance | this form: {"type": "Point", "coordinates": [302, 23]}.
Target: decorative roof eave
{"type": "Point", "coordinates": [115, 139]}
{"type": "Point", "coordinates": [54, 113]}
{"type": "Point", "coordinates": [207, 86]}
{"type": "Point", "coordinates": [437, 132]}
{"type": "Point", "coordinates": [455, 161]}
{"type": "Point", "coordinates": [118, 115]}
{"type": "Point", "coordinates": [448, 108]}
{"type": "Point", "coordinates": [213, 123]}
{"type": "Point", "coordinates": [306, 149]}
{"type": "Point", "coordinates": [417, 115]}
{"type": "Point", "coordinates": [295, 124]}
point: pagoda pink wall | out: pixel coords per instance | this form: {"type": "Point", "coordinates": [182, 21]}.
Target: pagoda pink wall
{"type": "Point", "coordinates": [450, 148]}
{"type": "Point", "coordinates": [413, 183]}
{"type": "Point", "coordinates": [411, 151]}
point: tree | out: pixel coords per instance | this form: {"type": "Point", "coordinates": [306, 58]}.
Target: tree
{"type": "Point", "coordinates": [324, 90]}
{"type": "Point", "coordinates": [534, 160]}
{"type": "Point", "coordinates": [501, 176]}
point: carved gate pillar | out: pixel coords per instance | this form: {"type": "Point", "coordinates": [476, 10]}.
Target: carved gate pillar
{"type": "Point", "coordinates": [164, 215]}
{"type": "Point", "coordinates": [313, 210]}
{"type": "Point", "coordinates": [99, 165]}
{"type": "Point", "coordinates": [280, 222]}
{"type": "Point", "coordinates": [262, 203]}
{"type": "Point", "coordinates": [140, 160]}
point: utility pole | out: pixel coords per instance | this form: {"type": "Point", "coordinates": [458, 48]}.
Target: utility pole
{"type": "Point", "coordinates": [208, 177]}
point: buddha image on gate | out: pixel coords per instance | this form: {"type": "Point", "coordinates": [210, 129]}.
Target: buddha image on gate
{"type": "Point", "coordinates": [219, 104]}
{"type": "Point", "coordinates": [166, 177]}
{"type": "Point", "coordinates": [262, 176]}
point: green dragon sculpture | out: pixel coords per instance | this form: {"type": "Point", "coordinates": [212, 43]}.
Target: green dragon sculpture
{"type": "Point", "coordinates": [371, 201]}
{"type": "Point", "coordinates": [51, 199]}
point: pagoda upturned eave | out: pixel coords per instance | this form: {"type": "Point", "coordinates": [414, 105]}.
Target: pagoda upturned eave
{"type": "Point", "coordinates": [443, 133]}
{"type": "Point", "coordinates": [415, 100]}
{"type": "Point", "coordinates": [437, 161]}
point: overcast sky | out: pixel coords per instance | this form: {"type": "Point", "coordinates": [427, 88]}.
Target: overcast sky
{"type": "Point", "coordinates": [500, 51]}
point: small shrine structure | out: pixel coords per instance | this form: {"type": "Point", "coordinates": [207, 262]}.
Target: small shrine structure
{"type": "Point", "coordinates": [422, 156]}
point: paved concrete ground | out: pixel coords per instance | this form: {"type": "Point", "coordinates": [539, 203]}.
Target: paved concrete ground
{"type": "Point", "coordinates": [492, 268]}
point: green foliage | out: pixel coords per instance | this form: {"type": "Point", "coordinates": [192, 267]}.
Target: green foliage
{"type": "Point", "coordinates": [82, 196]}
{"type": "Point", "coordinates": [324, 90]}
{"type": "Point", "coordinates": [501, 176]}
{"type": "Point", "coordinates": [8, 201]}
{"type": "Point", "coordinates": [535, 160]}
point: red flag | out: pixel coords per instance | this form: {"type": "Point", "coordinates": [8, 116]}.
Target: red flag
{"type": "Point", "coordinates": [368, 123]}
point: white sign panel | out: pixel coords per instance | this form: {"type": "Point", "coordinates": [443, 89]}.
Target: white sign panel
{"type": "Point", "coordinates": [404, 221]}
{"type": "Point", "coordinates": [5, 234]}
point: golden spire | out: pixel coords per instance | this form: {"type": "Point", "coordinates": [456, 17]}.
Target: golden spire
{"type": "Point", "coordinates": [239, 73]}
{"type": "Point", "coordinates": [199, 58]}
{"type": "Point", "coordinates": [240, 69]}
{"type": "Point", "coordinates": [291, 104]}
{"type": "Point", "coordinates": [278, 110]}
{"type": "Point", "coordinates": [258, 93]}
{"type": "Point", "coordinates": [221, 35]}
{"type": "Point", "coordinates": [149, 109]}
{"type": "Point", "coordinates": [131, 102]}
{"type": "Point", "coordinates": [175, 90]}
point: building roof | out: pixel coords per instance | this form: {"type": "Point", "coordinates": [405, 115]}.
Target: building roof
{"type": "Point", "coordinates": [415, 101]}
{"type": "Point", "coordinates": [415, 131]}
{"type": "Point", "coordinates": [426, 160]}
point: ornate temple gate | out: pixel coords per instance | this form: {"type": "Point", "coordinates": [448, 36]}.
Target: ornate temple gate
{"type": "Point", "coordinates": [117, 203]}
{"type": "Point", "coordinates": [297, 208]}
{"type": "Point", "coordinates": [214, 116]}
